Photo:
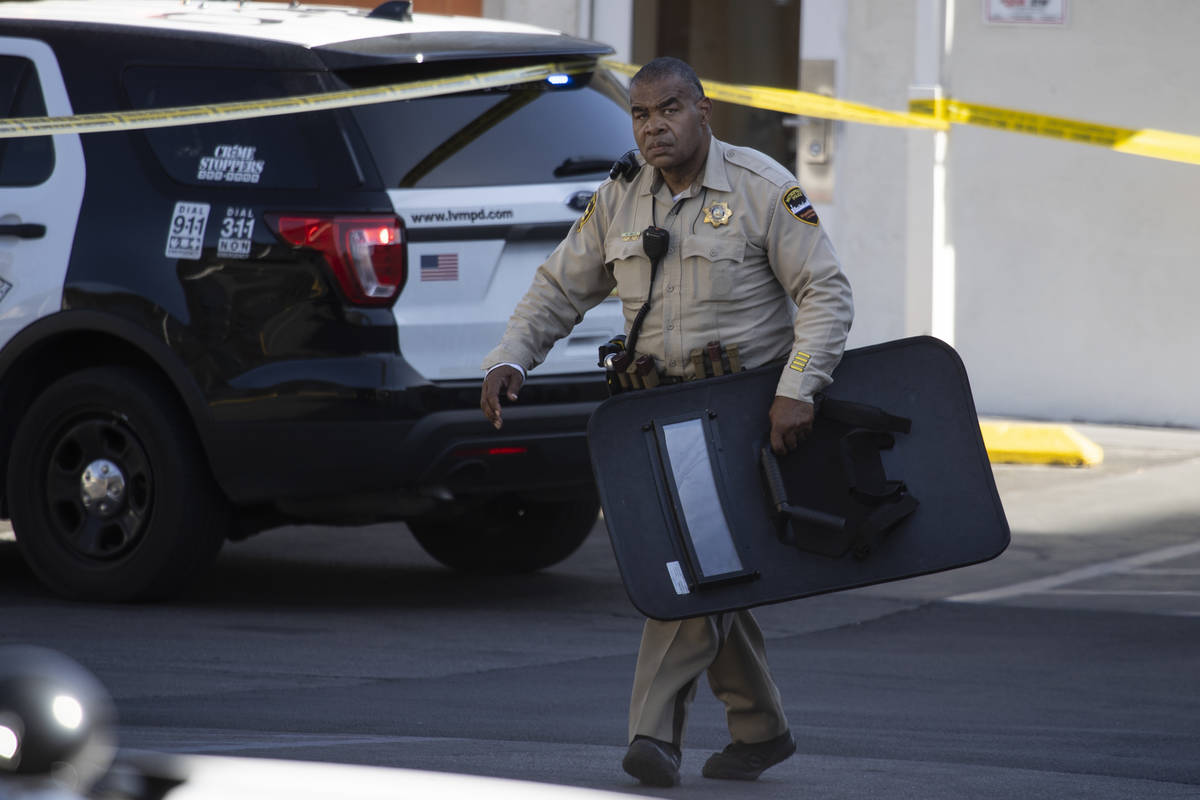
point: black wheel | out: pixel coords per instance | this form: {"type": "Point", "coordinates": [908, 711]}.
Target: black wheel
{"type": "Point", "coordinates": [109, 492]}
{"type": "Point", "coordinates": [508, 535]}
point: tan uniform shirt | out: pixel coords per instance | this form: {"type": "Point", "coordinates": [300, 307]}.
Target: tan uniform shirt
{"type": "Point", "coordinates": [745, 244]}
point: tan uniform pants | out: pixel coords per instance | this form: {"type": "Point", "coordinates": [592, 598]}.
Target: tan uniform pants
{"type": "Point", "coordinates": [670, 661]}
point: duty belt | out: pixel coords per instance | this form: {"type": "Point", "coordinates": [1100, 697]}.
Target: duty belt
{"type": "Point", "coordinates": [625, 374]}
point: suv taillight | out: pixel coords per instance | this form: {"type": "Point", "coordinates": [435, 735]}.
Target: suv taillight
{"type": "Point", "coordinates": [366, 254]}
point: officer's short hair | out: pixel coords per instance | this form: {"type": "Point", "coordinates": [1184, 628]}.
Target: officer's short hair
{"type": "Point", "coordinates": [669, 67]}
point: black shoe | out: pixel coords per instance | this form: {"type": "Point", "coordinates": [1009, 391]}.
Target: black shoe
{"type": "Point", "coordinates": [653, 762]}
{"type": "Point", "coordinates": [745, 762]}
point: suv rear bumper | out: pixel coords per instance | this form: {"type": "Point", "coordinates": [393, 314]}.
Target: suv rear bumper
{"type": "Point", "coordinates": [447, 454]}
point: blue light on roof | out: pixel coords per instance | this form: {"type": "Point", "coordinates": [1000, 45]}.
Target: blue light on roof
{"type": "Point", "coordinates": [558, 79]}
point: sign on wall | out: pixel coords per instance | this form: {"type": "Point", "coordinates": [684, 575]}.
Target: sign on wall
{"type": "Point", "coordinates": [1028, 12]}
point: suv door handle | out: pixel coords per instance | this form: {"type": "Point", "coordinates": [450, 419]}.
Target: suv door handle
{"type": "Point", "coordinates": [28, 230]}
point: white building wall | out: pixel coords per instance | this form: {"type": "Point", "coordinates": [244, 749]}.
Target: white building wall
{"type": "Point", "coordinates": [1074, 266]}
{"type": "Point", "coordinates": [610, 21]}
{"type": "Point", "coordinates": [870, 186]}
{"type": "Point", "coordinates": [1077, 266]}
{"type": "Point", "coordinates": [559, 15]}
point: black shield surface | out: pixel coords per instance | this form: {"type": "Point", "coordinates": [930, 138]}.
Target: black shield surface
{"type": "Point", "coordinates": [696, 528]}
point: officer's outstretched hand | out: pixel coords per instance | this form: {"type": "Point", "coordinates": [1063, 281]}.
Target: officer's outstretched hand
{"type": "Point", "coordinates": [504, 380]}
{"type": "Point", "coordinates": [791, 422]}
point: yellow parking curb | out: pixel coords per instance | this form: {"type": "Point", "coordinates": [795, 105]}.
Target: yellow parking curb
{"type": "Point", "coordinates": [1038, 443]}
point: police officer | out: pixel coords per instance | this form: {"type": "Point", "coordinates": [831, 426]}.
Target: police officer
{"type": "Point", "coordinates": [745, 244]}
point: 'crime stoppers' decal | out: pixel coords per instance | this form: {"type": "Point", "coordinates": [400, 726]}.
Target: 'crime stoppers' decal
{"type": "Point", "coordinates": [185, 238]}
{"type": "Point", "coordinates": [799, 207]}
{"type": "Point", "coordinates": [231, 163]}
{"type": "Point", "coordinates": [237, 231]}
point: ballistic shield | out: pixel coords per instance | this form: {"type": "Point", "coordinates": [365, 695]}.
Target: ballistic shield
{"type": "Point", "coordinates": [894, 482]}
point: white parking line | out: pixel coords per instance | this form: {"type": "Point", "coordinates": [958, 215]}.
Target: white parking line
{"type": "Point", "coordinates": [224, 741]}
{"type": "Point", "coordinates": [1129, 592]}
{"type": "Point", "coordinates": [1164, 571]}
{"type": "Point", "coordinates": [1042, 585]}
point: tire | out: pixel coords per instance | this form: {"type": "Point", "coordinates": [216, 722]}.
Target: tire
{"type": "Point", "coordinates": [163, 521]}
{"type": "Point", "coordinates": [508, 536]}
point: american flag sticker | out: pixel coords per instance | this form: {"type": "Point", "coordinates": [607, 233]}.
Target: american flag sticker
{"type": "Point", "coordinates": [441, 267]}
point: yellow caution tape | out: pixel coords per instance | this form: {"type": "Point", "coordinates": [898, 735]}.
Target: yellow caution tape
{"type": "Point", "coordinates": [923, 114]}
{"type": "Point", "coordinates": [1143, 142]}
{"type": "Point", "coordinates": [941, 114]}
{"type": "Point", "coordinates": [807, 104]}
{"type": "Point", "coordinates": [224, 112]}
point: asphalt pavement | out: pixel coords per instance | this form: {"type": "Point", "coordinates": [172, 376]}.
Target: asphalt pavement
{"type": "Point", "coordinates": [1064, 668]}
{"type": "Point", "coordinates": [1132, 524]}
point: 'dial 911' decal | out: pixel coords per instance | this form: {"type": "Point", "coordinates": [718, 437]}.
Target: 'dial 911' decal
{"type": "Point", "coordinates": [185, 237]}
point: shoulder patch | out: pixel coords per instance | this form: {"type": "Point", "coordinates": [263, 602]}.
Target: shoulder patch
{"type": "Point", "coordinates": [587, 213]}
{"type": "Point", "coordinates": [799, 207]}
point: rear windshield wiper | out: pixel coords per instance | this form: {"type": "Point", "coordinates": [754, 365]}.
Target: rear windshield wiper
{"type": "Point", "coordinates": [469, 133]}
{"type": "Point", "coordinates": [583, 166]}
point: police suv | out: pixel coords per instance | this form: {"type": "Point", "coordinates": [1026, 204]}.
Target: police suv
{"type": "Point", "coordinates": [207, 330]}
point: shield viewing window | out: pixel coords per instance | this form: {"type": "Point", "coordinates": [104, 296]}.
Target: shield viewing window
{"type": "Point", "coordinates": [692, 491]}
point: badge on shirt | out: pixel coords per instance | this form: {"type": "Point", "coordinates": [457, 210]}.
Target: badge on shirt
{"type": "Point", "coordinates": [587, 212]}
{"type": "Point", "coordinates": [799, 207]}
{"type": "Point", "coordinates": [717, 214]}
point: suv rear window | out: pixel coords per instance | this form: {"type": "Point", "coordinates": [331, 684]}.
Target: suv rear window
{"type": "Point", "coordinates": [296, 151]}
{"type": "Point", "coordinates": [532, 134]}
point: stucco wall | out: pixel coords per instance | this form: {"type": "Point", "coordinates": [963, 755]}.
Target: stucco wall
{"type": "Point", "coordinates": [559, 15]}
{"type": "Point", "coordinates": [1078, 265]}
{"type": "Point", "coordinates": [1075, 266]}
{"type": "Point", "coordinates": [870, 201]}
